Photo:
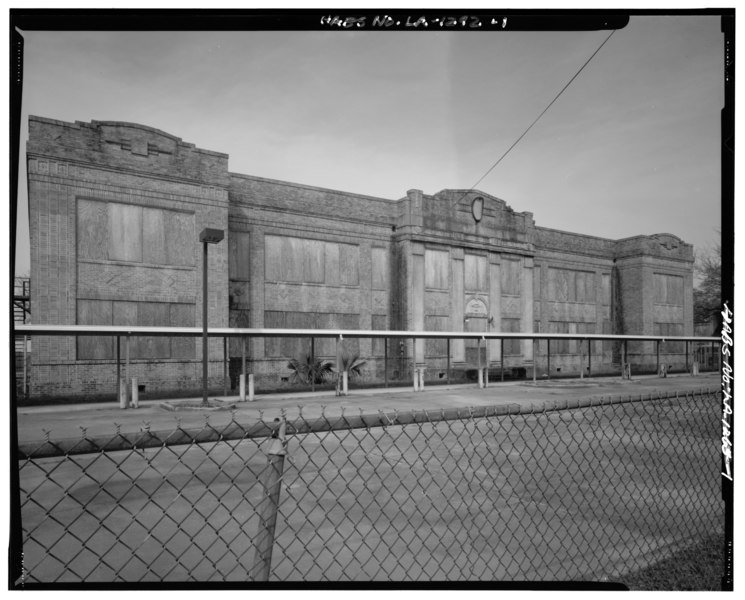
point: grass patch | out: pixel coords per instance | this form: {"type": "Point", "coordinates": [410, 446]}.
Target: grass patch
{"type": "Point", "coordinates": [697, 568]}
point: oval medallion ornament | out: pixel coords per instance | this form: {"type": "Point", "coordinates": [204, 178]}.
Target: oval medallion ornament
{"type": "Point", "coordinates": [477, 208]}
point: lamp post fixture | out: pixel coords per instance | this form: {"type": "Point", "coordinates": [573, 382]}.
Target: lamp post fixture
{"type": "Point", "coordinates": [208, 236]}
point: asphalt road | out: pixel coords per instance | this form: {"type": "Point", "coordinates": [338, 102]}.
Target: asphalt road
{"type": "Point", "coordinates": [70, 421]}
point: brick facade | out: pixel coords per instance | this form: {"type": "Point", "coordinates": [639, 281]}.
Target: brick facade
{"type": "Point", "coordinates": [116, 208]}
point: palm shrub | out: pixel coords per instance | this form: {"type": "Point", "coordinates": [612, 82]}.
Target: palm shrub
{"type": "Point", "coordinates": [308, 369]}
{"type": "Point", "coordinates": [353, 364]}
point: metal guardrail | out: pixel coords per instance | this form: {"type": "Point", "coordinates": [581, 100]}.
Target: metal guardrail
{"type": "Point", "coordinates": [584, 490]}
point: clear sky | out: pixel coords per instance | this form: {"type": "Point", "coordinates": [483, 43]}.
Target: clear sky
{"type": "Point", "coordinates": [631, 147]}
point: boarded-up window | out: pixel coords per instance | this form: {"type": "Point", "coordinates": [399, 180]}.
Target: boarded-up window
{"type": "Point", "coordinates": [380, 279]}
{"type": "Point", "coordinates": [511, 346]}
{"type": "Point", "coordinates": [436, 347]}
{"type": "Point", "coordinates": [511, 277]}
{"type": "Point", "coordinates": [239, 265]}
{"type": "Point", "coordinates": [117, 231]}
{"type": "Point", "coordinates": [476, 278]}
{"type": "Point", "coordinates": [349, 264]}
{"type": "Point", "coordinates": [379, 323]}
{"type": "Point", "coordinates": [299, 260]}
{"type": "Point", "coordinates": [436, 264]}
{"type": "Point", "coordinates": [180, 236]}
{"type": "Point", "coordinates": [606, 289]}
{"type": "Point", "coordinates": [159, 314]}
{"type": "Point", "coordinates": [154, 236]}
{"type": "Point", "coordinates": [668, 289]}
{"type": "Point", "coordinates": [565, 285]}
{"type": "Point", "coordinates": [94, 312]}
{"type": "Point", "coordinates": [93, 230]}
{"type": "Point", "coordinates": [560, 346]}
{"type": "Point", "coordinates": [125, 232]}
{"type": "Point", "coordinates": [300, 347]}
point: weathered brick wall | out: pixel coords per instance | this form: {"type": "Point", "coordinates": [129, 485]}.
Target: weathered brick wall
{"type": "Point", "coordinates": [127, 165]}
{"type": "Point", "coordinates": [504, 263]}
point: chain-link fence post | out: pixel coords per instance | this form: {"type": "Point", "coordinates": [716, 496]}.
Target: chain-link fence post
{"type": "Point", "coordinates": [269, 505]}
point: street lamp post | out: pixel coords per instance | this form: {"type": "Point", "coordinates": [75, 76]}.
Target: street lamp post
{"type": "Point", "coordinates": [208, 236]}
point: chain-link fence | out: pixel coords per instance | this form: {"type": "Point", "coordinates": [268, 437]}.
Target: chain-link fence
{"type": "Point", "coordinates": [584, 490]}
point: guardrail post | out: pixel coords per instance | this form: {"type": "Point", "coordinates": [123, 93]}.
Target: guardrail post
{"type": "Point", "coordinates": [501, 357]}
{"type": "Point", "coordinates": [126, 372]}
{"type": "Point", "coordinates": [338, 365]}
{"type": "Point", "coordinates": [135, 393]}
{"type": "Point", "coordinates": [486, 360]}
{"type": "Point", "coordinates": [478, 362]}
{"type": "Point", "coordinates": [312, 362]}
{"type": "Point", "coordinates": [225, 366]}
{"type": "Point", "coordinates": [385, 360]}
{"type": "Point", "coordinates": [416, 371]}
{"type": "Point", "coordinates": [242, 381]}
{"type": "Point", "coordinates": [119, 371]}
{"type": "Point", "coordinates": [448, 367]}
{"type": "Point", "coordinates": [535, 358]}
{"type": "Point", "coordinates": [272, 483]}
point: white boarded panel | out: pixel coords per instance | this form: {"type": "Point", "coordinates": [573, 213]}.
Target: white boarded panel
{"type": "Point", "coordinates": [331, 270]}
{"type": "Point", "coordinates": [606, 289]}
{"type": "Point", "coordinates": [511, 277]}
{"type": "Point", "coordinates": [124, 313]}
{"type": "Point", "coordinates": [589, 287]}
{"type": "Point", "coordinates": [380, 279]}
{"type": "Point", "coordinates": [476, 273]}
{"type": "Point", "coordinates": [273, 258]}
{"type": "Point", "coordinates": [292, 259]}
{"type": "Point", "coordinates": [158, 314]}
{"type": "Point", "coordinates": [349, 264]}
{"type": "Point", "coordinates": [125, 232]}
{"type": "Point", "coordinates": [313, 261]}
{"type": "Point", "coordinates": [181, 240]}
{"type": "Point", "coordinates": [239, 267]}
{"type": "Point", "coordinates": [92, 230]}
{"type": "Point", "coordinates": [154, 236]}
{"type": "Point", "coordinates": [436, 269]}
{"type": "Point", "coordinates": [182, 315]}
{"type": "Point", "coordinates": [94, 312]}
{"type": "Point", "coordinates": [436, 347]}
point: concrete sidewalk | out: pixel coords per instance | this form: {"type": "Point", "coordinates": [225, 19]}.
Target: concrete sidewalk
{"type": "Point", "coordinates": [68, 421]}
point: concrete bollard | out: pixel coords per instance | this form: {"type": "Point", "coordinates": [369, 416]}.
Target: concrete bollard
{"type": "Point", "coordinates": [242, 387]}
{"type": "Point", "coordinates": [345, 382]}
{"type": "Point", "coordinates": [251, 388]}
{"type": "Point", "coordinates": [123, 393]}
{"type": "Point", "coordinates": [135, 394]}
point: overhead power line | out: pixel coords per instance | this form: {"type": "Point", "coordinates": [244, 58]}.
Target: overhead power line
{"type": "Point", "coordinates": [543, 113]}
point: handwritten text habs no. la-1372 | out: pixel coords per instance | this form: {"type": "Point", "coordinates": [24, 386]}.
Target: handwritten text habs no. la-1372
{"type": "Point", "coordinates": [386, 21]}
{"type": "Point", "coordinates": [727, 377]}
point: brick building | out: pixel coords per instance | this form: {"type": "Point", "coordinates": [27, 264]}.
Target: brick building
{"type": "Point", "coordinates": [116, 209]}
